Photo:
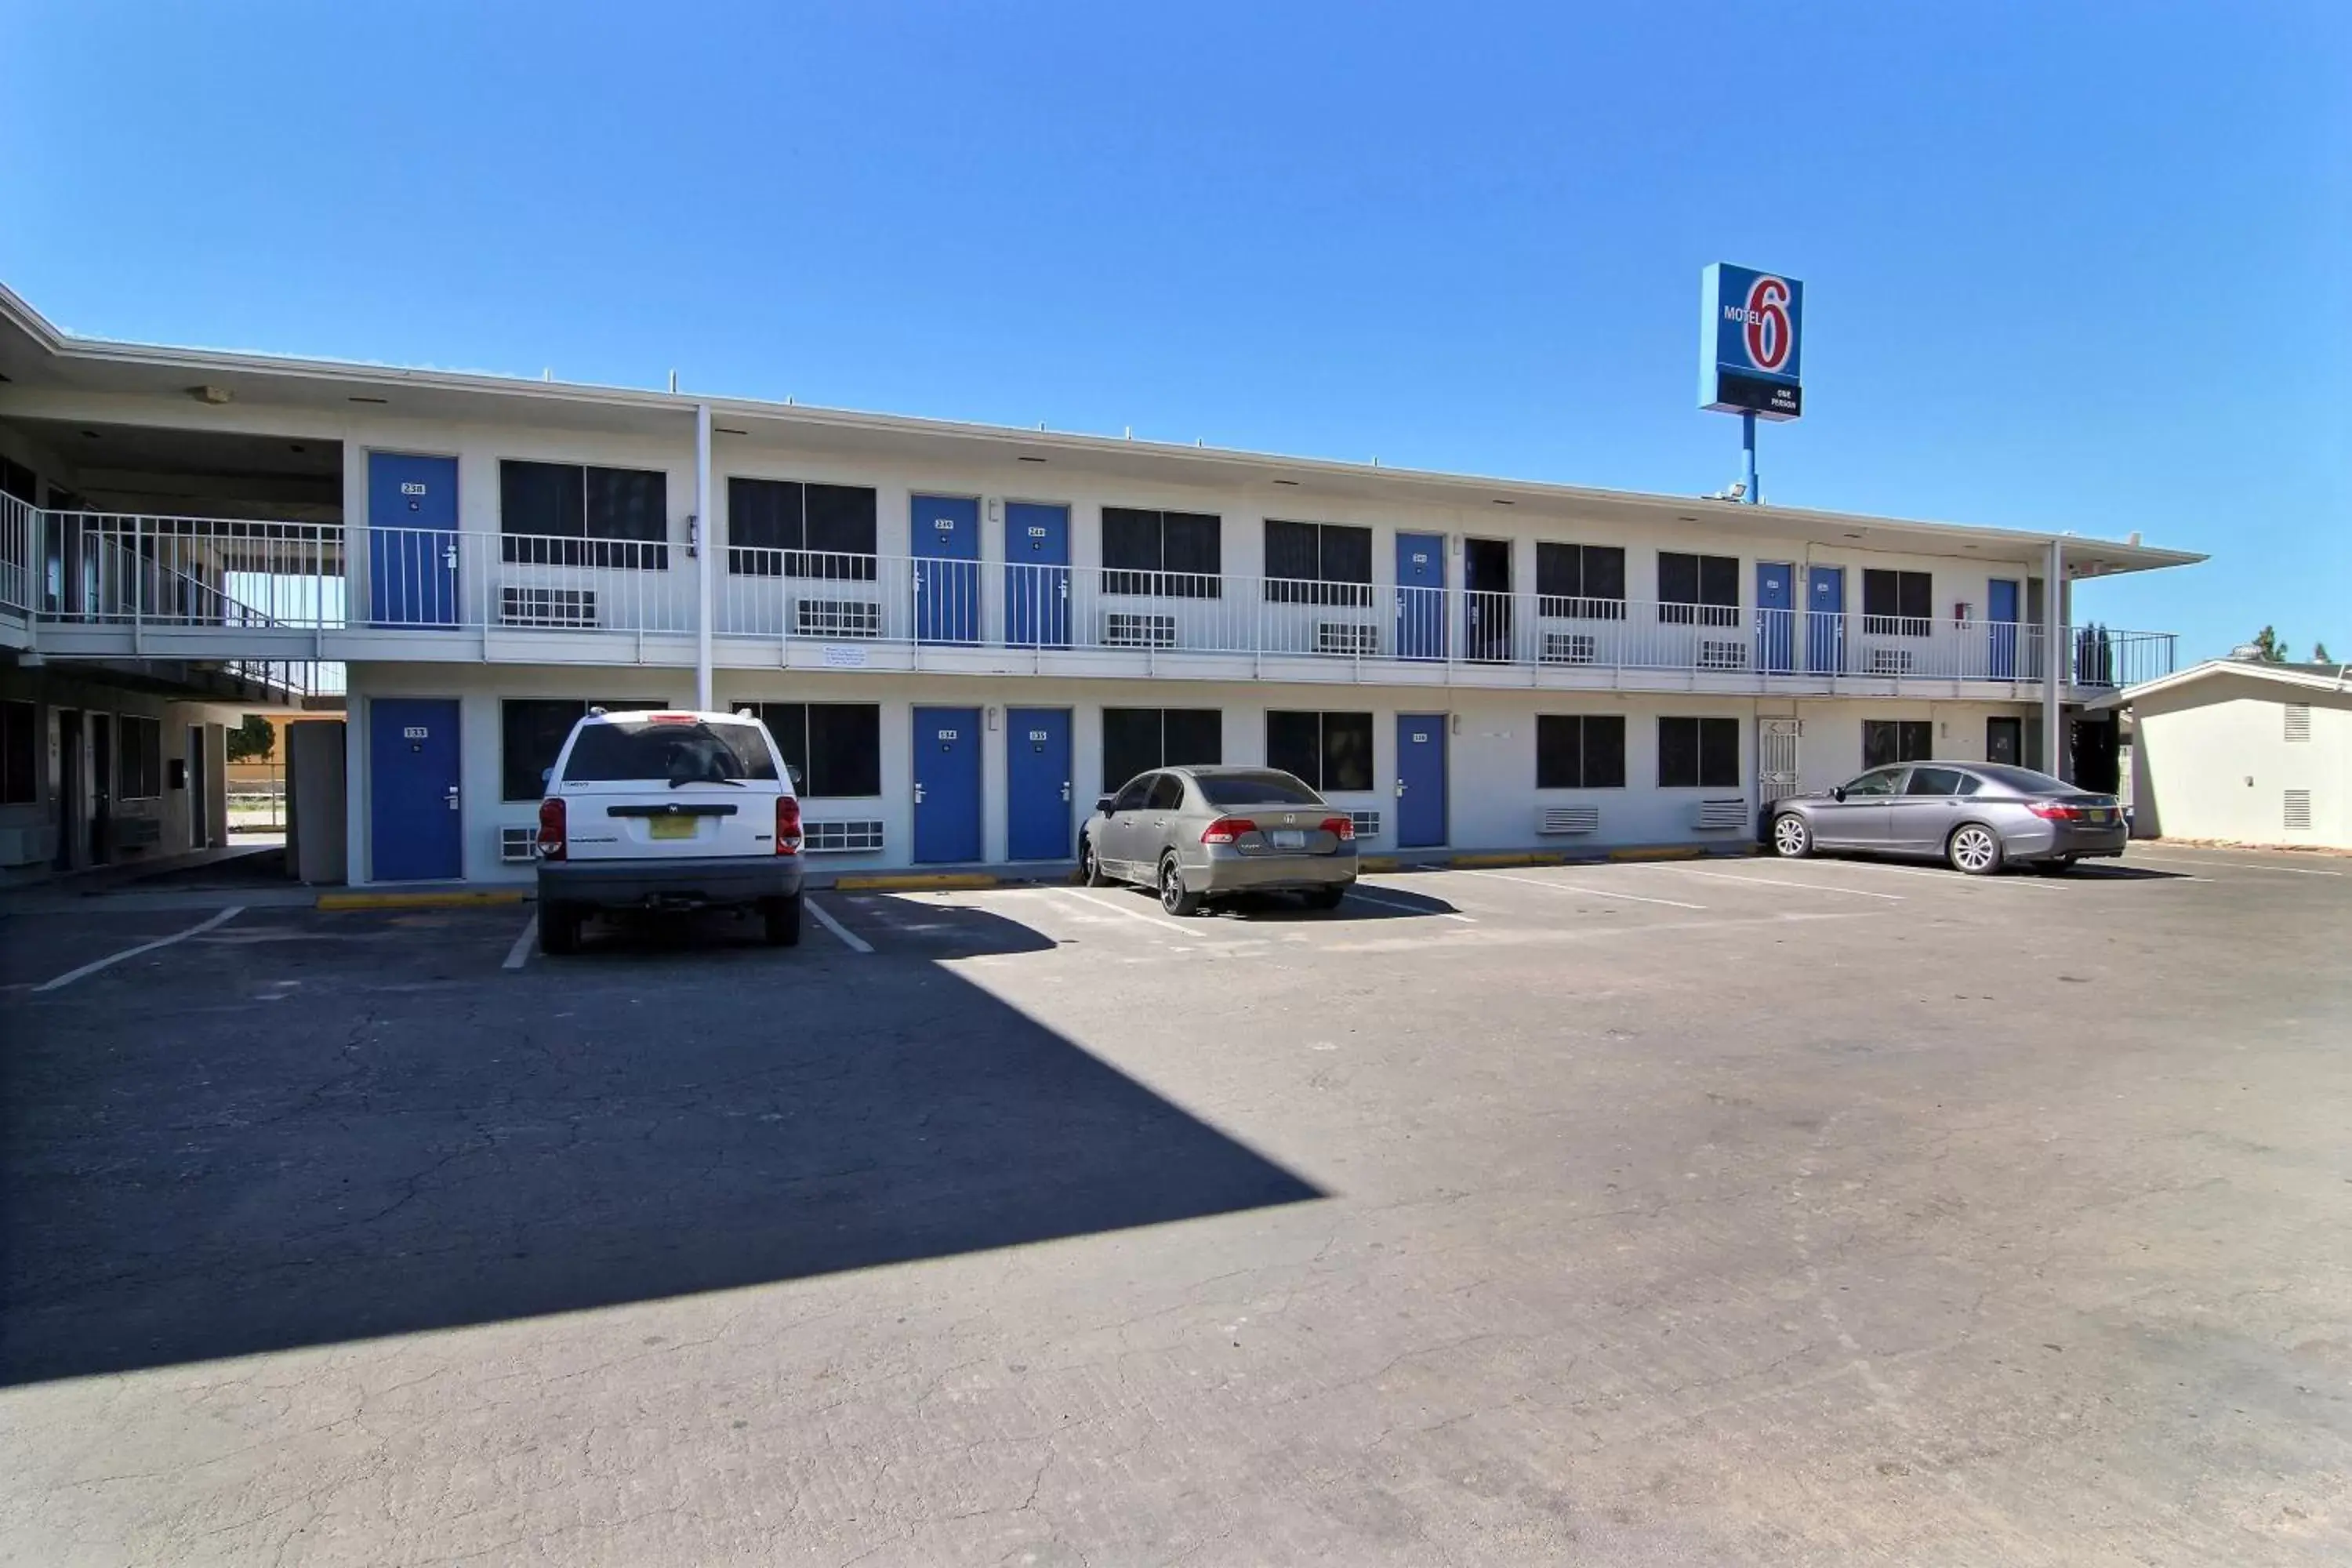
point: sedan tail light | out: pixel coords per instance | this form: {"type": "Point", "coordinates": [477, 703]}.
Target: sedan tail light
{"type": "Point", "coordinates": [788, 825]}
{"type": "Point", "coordinates": [551, 829]}
{"type": "Point", "coordinates": [2056, 811]}
{"type": "Point", "coordinates": [1343, 828]}
{"type": "Point", "coordinates": [1225, 830]}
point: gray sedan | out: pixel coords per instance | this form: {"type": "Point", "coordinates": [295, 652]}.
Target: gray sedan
{"type": "Point", "coordinates": [1978, 816]}
{"type": "Point", "coordinates": [1198, 834]}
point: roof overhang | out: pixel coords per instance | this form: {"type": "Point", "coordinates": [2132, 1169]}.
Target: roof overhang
{"type": "Point", "coordinates": [2332, 679]}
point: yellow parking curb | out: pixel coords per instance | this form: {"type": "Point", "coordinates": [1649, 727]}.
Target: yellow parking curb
{"type": "Point", "coordinates": [1375, 863]}
{"type": "Point", "coordinates": [453, 900]}
{"type": "Point", "coordinates": [1661, 852]}
{"type": "Point", "coordinates": [915, 882]}
{"type": "Point", "coordinates": [1512, 857]}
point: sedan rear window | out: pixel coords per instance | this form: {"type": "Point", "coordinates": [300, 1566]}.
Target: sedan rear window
{"type": "Point", "coordinates": [1222, 790]}
{"type": "Point", "coordinates": [2024, 781]}
{"type": "Point", "coordinates": [677, 750]}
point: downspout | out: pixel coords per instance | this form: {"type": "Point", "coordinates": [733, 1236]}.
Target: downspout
{"type": "Point", "coordinates": [702, 536]}
{"type": "Point", "coordinates": [2055, 655]}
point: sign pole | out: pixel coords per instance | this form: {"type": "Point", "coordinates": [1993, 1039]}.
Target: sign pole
{"type": "Point", "coordinates": [1748, 451]}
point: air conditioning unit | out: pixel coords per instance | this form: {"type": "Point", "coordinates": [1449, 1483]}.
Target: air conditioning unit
{"type": "Point", "coordinates": [1347, 637]}
{"type": "Point", "coordinates": [1137, 628]}
{"type": "Point", "coordinates": [1722, 653]}
{"type": "Point", "coordinates": [836, 619]}
{"type": "Point", "coordinates": [518, 845]}
{"type": "Point", "coordinates": [523, 606]}
{"type": "Point", "coordinates": [1570, 648]}
{"type": "Point", "coordinates": [846, 837]}
{"type": "Point", "coordinates": [33, 846]}
{"type": "Point", "coordinates": [1889, 662]}
{"type": "Point", "coordinates": [1568, 819]}
{"type": "Point", "coordinates": [1714, 814]}
{"type": "Point", "coordinates": [1368, 824]}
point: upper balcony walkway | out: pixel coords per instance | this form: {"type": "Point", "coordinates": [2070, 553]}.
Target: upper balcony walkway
{"type": "Point", "coordinates": [97, 585]}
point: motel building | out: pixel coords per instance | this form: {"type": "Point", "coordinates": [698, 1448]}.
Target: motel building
{"type": "Point", "coordinates": [960, 634]}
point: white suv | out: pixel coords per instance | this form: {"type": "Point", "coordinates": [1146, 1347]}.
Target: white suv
{"type": "Point", "coordinates": [667, 810]}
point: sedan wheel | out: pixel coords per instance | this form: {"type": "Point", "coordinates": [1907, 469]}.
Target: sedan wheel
{"type": "Point", "coordinates": [1975, 849]}
{"type": "Point", "coordinates": [1174, 896]}
{"type": "Point", "coordinates": [1791, 839]}
{"type": "Point", "coordinates": [1090, 871]}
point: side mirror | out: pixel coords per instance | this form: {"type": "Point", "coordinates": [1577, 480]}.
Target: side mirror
{"type": "Point", "coordinates": [1837, 792]}
{"type": "Point", "coordinates": [1102, 805]}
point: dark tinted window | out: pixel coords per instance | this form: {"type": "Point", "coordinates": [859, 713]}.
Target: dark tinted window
{"type": "Point", "coordinates": [1881, 781]}
{"type": "Point", "coordinates": [20, 481]}
{"type": "Point", "coordinates": [627, 503]}
{"type": "Point", "coordinates": [141, 763]}
{"type": "Point", "coordinates": [1294, 743]}
{"type": "Point", "coordinates": [831, 748]}
{"type": "Point", "coordinates": [1327, 750]}
{"type": "Point", "coordinates": [1166, 793]}
{"type": "Point", "coordinates": [1193, 735]}
{"type": "Point", "coordinates": [1131, 798]}
{"type": "Point", "coordinates": [532, 732]}
{"type": "Point", "coordinates": [1933, 781]}
{"type": "Point", "coordinates": [781, 527]}
{"type": "Point", "coordinates": [1886, 741]}
{"type": "Point", "coordinates": [1223, 790]}
{"type": "Point", "coordinates": [20, 752]}
{"type": "Point", "coordinates": [1317, 563]}
{"type": "Point", "coordinates": [565, 514]}
{"type": "Point", "coordinates": [763, 514]}
{"type": "Point", "coordinates": [1902, 601]}
{"type": "Point", "coordinates": [1169, 554]}
{"type": "Point", "coordinates": [1580, 752]}
{"type": "Point", "coordinates": [1137, 740]}
{"type": "Point", "coordinates": [685, 750]}
{"type": "Point", "coordinates": [1698, 753]}
{"type": "Point", "coordinates": [542, 498]}
{"type": "Point", "coordinates": [2025, 781]}
{"type": "Point", "coordinates": [1583, 580]}
{"type": "Point", "coordinates": [1688, 581]}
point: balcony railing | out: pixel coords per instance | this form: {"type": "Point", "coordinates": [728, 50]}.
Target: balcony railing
{"type": "Point", "coordinates": [97, 568]}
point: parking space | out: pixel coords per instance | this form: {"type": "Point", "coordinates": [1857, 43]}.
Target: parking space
{"type": "Point", "coordinates": [1720, 1210]}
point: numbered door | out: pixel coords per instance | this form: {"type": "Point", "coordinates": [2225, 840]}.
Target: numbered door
{"type": "Point", "coordinates": [2005, 741]}
{"type": "Point", "coordinates": [1776, 614]}
{"type": "Point", "coordinates": [1421, 595]}
{"type": "Point", "coordinates": [412, 540]}
{"type": "Point", "coordinates": [2000, 610]}
{"type": "Point", "coordinates": [1421, 780]}
{"type": "Point", "coordinates": [946, 784]}
{"type": "Point", "coordinates": [947, 569]}
{"type": "Point", "coordinates": [1825, 619]}
{"type": "Point", "coordinates": [415, 824]}
{"type": "Point", "coordinates": [1036, 574]}
{"type": "Point", "coordinates": [1037, 783]}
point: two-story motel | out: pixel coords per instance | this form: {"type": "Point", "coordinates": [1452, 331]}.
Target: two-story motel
{"type": "Point", "coordinates": [959, 634]}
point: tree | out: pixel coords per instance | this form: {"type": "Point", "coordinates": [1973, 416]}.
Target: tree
{"type": "Point", "coordinates": [252, 740]}
{"type": "Point", "coordinates": [2320, 654]}
{"type": "Point", "coordinates": [2268, 649]}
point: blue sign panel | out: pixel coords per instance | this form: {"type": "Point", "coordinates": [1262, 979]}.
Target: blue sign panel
{"type": "Point", "coordinates": [1751, 329]}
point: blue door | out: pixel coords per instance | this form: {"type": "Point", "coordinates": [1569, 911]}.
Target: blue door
{"type": "Point", "coordinates": [947, 569]}
{"type": "Point", "coordinates": [1776, 618]}
{"type": "Point", "coordinates": [2001, 609]}
{"type": "Point", "coordinates": [1421, 595]}
{"type": "Point", "coordinates": [1421, 780]}
{"type": "Point", "coordinates": [412, 540]}
{"type": "Point", "coordinates": [1037, 783]}
{"type": "Point", "coordinates": [416, 831]}
{"type": "Point", "coordinates": [1825, 619]}
{"type": "Point", "coordinates": [1036, 575]}
{"type": "Point", "coordinates": [946, 784]}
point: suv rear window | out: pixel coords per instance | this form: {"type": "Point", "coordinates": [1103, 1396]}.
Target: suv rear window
{"type": "Point", "coordinates": [1222, 790]}
{"type": "Point", "coordinates": [679, 751]}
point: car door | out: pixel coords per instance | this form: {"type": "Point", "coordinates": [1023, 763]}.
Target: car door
{"type": "Point", "coordinates": [1923, 815]}
{"type": "Point", "coordinates": [1859, 821]}
{"type": "Point", "coordinates": [1157, 830]}
{"type": "Point", "coordinates": [1121, 824]}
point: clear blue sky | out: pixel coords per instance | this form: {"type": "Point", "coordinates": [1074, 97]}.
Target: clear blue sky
{"type": "Point", "coordinates": [2066, 267]}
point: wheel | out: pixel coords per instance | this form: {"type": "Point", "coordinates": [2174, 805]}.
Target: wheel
{"type": "Point", "coordinates": [783, 919]}
{"type": "Point", "coordinates": [1174, 896]}
{"type": "Point", "coordinates": [2058, 867]}
{"type": "Point", "coordinates": [1974, 849]}
{"type": "Point", "coordinates": [1791, 839]}
{"type": "Point", "coordinates": [1326, 898]}
{"type": "Point", "coordinates": [1090, 871]}
{"type": "Point", "coordinates": [558, 929]}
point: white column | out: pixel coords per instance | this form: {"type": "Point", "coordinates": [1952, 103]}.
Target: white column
{"type": "Point", "coordinates": [704, 536]}
{"type": "Point", "coordinates": [2056, 656]}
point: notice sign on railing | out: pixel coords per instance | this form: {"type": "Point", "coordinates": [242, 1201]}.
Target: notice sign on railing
{"type": "Point", "coordinates": [844, 656]}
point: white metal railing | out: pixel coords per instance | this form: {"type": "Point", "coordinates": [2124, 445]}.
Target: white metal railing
{"type": "Point", "coordinates": [111, 569]}
{"type": "Point", "coordinates": [16, 556]}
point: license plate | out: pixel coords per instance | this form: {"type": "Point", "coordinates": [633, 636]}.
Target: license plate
{"type": "Point", "coordinates": [1288, 838]}
{"type": "Point", "coordinates": [672, 827]}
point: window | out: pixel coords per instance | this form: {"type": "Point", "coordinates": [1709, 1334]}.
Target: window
{"type": "Point", "coordinates": [681, 749]}
{"type": "Point", "coordinates": [1131, 798]}
{"type": "Point", "coordinates": [1897, 604]}
{"type": "Point", "coordinates": [1137, 740]}
{"type": "Point", "coordinates": [1698, 753]}
{"type": "Point", "coordinates": [1224, 790]}
{"type": "Point", "coordinates": [1330, 751]}
{"type": "Point", "coordinates": [1166, 793]}
{"type": "Point", "coordinates": [1583, 581]}
{"type": "Point", "coordinates": [1167, 554]}
{"type": "Point", "coordinates": [1699, 590]}
{"type": "Point", "coordinates": [833, 749]}
{"type": "Point", "coordinates": [785, 528]}
{"type": "Point", "coordinates": [20, 752]}
{"type": "Point", "coordinates": [1317, 563]}
{"type": "Point", "coordinates": [563, 514]}
{"type": "Point", "coordinates": [16, 479]}
{"type": "Point", "coordinates": [532, 732]}
{"type": "Point", "coordinates": [1886, 741]}
{"type": "Point", "coordinates": [1878, 782]}
{"type": "Point", "coordinates": [1585, 752]}
{"type": "Point", "coordinates": [140, 765]}
{"type": "Point", "coordinates": [1938, 781]}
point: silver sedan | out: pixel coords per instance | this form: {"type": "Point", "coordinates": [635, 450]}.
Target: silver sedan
{"type": "Point", "coordinates": [1975, 817]}
{"type": "Point", "coordinates": [1197, 835]}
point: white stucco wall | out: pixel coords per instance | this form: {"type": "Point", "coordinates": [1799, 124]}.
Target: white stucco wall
{"type": "Point", "coordinates": [2213, 761]}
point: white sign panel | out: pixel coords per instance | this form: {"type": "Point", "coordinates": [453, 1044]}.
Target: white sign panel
{"type": "Point", "coordinates": [841, 655]}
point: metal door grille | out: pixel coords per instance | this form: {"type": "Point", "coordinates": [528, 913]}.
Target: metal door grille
{"type": "Point", "coordinates": [1776, 757]}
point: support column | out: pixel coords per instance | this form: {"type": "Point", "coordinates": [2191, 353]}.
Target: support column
{"type": "Point", "coordinates": [2056, 659]}
{"type": "Point", "coordinates": [704, 533]}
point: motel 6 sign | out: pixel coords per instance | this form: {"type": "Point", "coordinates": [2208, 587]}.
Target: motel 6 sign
{"type": "Point", "coordinates": [1751, 328]}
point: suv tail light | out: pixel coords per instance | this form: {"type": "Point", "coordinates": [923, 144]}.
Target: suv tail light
{"type": "Point", "coordinates": [1343, 828]}
{"type": "Point", "coordinates": [551, 829]}
{"type": "Point", "coordinates": [788, 825]}
{"type": "Point", "coordinates": [1225, 830]}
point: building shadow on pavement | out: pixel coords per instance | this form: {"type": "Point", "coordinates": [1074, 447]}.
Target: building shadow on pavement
{"type": "Point", "coordinates": [189, 1174]}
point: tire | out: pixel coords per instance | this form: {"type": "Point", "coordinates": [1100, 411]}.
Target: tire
{"type": "Point", "coordinates": [559, 929]}
{"type": "Point", "coordinates": [2058, 867]}
{"type": "Point", "coordinates": [1326, 898]}
{"type": "Point", "coordinates": [1792, 839]}
{"type": "Point", "coordinates": [1090, 871]}
{"type": "Point", "coordinates": [1973, 849]}
{"type": "Point", "coordinates": [783, 921]}
{"type": "Point", "coordinates": [1174, 896]}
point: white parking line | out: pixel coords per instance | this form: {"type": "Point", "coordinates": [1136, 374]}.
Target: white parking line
{"type": "Point", "coordinates": [2230, 865]}
{"type": "Point", "coordinates": [70, 976]}
{"type": "Point", "coordinates": [1202, 932]}
{"type": "Point", "coordinates": [1588, 892]}
{"type": "Point", "coordinates": [849, 938]}
{"type": "Point", "coordinates": [1408, 908]}
{"type": "Point", "coordinates": [520, 953]}
{"type": "Point", "coordinates": [1950, 879]}
{"type": "Point", "coordinates": [1779, 882]}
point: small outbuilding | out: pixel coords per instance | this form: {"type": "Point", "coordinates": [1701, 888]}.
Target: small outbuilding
{"type": "Point", "coordinates": [2245, 751]}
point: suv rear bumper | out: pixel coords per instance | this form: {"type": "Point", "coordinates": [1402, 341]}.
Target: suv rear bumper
{"type": "Point", "coordinates": [634, 884]}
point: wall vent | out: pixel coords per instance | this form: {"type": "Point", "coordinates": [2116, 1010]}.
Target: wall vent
{"type": "Point", "coordinates": [2299, 721]}
{"type": "Point", "coordinates": [2297, 813]}
{"type": "Point", "coordinates": [1568, 819]}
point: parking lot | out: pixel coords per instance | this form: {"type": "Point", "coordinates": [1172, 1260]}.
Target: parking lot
{"type": "Point", "coordinates": [1727, 1211]}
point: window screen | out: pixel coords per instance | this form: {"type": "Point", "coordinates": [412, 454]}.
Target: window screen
{"type": "Point", "coordinates": [1698, 753]}
{"type": "Point", "coordinates": [1167, 554]}
{"type": "Point", "coordinates": [1317, 563]}
{"type": "Point", "coordinates": [565, 514]}
{"type": "Point", "coordinates": [1898, 604]}
{"type": "Point", "coordinates": [1701, 590]}
{"type": "Point", "coordinates": [1580, 752]}
{"type": "Point", "coordinates": [833, 749]}
{"type": "Point", "coordinates": [1583, 581]}
{"type": "Point", "coordinates": [20, 753]}
{"type": "Point", "coordinates": [1887, 741]}
{"type": "Point", "coordinates": [1329, 751]}
{"type": "Point", "coordinates": [1137, 740]}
